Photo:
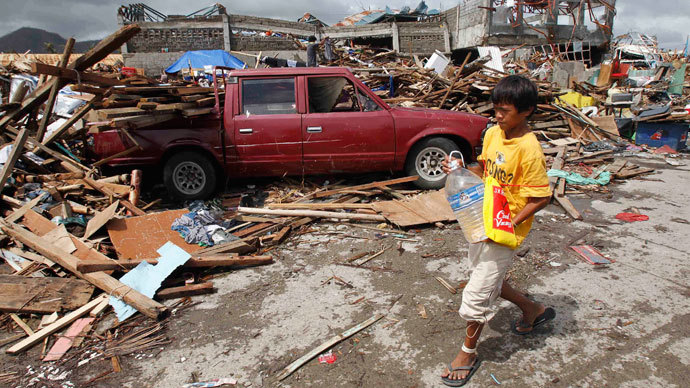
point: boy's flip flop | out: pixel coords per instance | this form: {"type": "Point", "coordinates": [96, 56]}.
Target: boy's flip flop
{"type": "Point", "coordinates": [547, 315]}
{"type": "Point", "coordinates": [460, 382]}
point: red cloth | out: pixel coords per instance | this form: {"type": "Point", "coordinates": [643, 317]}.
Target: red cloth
{"type": "Point", "coordinates": [632, 217]}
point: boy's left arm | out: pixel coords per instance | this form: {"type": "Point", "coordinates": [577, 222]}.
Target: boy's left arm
{"type": "Point", "coordinates": [536, 188]}
{"type": "Point", "coordinates": [534, 204]}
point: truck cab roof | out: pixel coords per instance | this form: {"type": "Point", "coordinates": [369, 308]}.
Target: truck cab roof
{"type": "Point", "coordinates": [290, 71]}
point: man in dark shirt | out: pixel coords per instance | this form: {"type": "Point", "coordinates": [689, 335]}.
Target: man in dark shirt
{"type": "Point", "coordinates": [311, 52]}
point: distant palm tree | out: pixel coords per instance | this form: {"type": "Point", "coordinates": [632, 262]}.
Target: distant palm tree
{"type": "Point", "coordinates": [49, 48]}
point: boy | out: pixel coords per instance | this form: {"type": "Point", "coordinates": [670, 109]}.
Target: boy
{"type": "Point", "coordinates": [512, 154]}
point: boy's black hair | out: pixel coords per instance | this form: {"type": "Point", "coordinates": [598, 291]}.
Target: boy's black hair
{"type": "Point", "coordinates": [311, 38]}
{"type": "Point", "coordinates": [516, 90]}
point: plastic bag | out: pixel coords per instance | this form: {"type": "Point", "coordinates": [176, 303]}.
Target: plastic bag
{"type": "Point", "coordinates": [498, 223]}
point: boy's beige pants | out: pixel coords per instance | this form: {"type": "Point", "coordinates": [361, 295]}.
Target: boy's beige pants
{"type": "Point", "coordinates": [489, 263]}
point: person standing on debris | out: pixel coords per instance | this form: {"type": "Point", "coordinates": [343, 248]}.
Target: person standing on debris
{"type": "Point", "coordinates": [512, 154]}
{"type": "Point", "coordinates": [328, 49]}
{"type": "Point", "coordinates": [311, 52]}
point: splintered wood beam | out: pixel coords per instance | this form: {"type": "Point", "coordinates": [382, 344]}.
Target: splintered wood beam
{"type": "Point", "coordinates": [78, 76]}
{"type": "Point", "coordinates": [48, 111]}
{"type": "Point", "coordinates": [87, 266]}
{"type": "Point", "coordinates": [188, 290]}
{"type": "Point", "coordinates": [312, 213]}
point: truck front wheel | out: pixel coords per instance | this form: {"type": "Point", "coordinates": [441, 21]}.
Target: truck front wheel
{"type": "Point", "coordinates": [425, 159]}
{"type": "Point", "coordinates": [189, 176]}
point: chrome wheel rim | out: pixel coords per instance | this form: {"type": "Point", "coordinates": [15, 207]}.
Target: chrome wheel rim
{"type": "Point", "coordinates": [428, 163]}
{"type": "Point", "coordinates": [189, 178]}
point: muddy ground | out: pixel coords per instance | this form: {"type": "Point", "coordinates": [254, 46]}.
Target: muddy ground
{"type": "Point", "coordinates": [620, 325]}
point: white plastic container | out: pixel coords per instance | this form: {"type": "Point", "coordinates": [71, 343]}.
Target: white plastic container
{"type": "Point", "coordinates": [438, 62]}
{"type": "Point", "coordinates": [465, 193]}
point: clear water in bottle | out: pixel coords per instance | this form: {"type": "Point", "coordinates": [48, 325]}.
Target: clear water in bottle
{"type": "Point", "coordinates": [465, 193]}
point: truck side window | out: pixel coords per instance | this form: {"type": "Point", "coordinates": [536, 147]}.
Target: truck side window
{"type": "Point", "coordinates": [272, 96]}
{"type": "Point", "coordinates": [368, 105]}
{"type": "Point", "coordinates": [331, 94]}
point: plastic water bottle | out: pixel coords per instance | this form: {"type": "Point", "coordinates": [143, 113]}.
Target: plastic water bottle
{"type": "Point", "coordinates": [465, 193]}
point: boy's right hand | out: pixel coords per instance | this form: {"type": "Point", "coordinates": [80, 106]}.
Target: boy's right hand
{"type": "Point", "coordinates": [445, 164]}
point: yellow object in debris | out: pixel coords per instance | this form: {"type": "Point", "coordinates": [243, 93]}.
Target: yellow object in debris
{"type": "Point", "coordinates": [576, 99]}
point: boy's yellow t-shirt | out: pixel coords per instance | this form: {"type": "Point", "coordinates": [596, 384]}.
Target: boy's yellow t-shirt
{"type": "Point", "coordinates": [520, 166]}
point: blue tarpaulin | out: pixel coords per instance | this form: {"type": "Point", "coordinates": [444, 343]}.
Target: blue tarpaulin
{"type": "Point", "coordinates": [202, 58]}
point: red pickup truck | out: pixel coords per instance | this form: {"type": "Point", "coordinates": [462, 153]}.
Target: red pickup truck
{"type": "Point", "coordinates": [296, 121]}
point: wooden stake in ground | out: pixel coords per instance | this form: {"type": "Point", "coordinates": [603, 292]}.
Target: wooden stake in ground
{"type": "Point", "coordinates": [321, 348]}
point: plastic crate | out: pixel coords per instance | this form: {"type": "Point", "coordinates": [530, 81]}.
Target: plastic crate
{"type": "Point", "coordinates": [674, 135]}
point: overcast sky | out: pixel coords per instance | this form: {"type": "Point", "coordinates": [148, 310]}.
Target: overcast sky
{"type": "Point", "coordinates": [669, 20]}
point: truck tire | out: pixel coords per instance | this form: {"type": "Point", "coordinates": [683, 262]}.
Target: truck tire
{"type": "Point", "coordinates": [425, 159]}
{"type": "Point", "coordinates": [189, 176]}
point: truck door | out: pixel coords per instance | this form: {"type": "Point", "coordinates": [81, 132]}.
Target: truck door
{"type": "Point", "coordinates": [344, 130]}
{"type": "Point", "coordinates": [267, 127]}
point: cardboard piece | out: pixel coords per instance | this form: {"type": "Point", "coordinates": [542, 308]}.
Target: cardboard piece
{"type": "Point", "coordinates": [140, 237]}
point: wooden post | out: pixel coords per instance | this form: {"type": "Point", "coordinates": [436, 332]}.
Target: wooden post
{"type": "Point", "coordinates": [48, 111]}
{"type": "Point", "coordinates": [135, 187]}
{"type": "Point", "coordinates": [14, 155]}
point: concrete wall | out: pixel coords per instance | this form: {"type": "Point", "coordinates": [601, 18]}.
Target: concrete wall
{"type": "Point", "coordinates": [422, 38]}
{"type": "Point", "coordinates": [152, 63]}
{"type": "Point", "coordinates": [471, 27]}
{"type": "Point", "coordinates": [181, 35]}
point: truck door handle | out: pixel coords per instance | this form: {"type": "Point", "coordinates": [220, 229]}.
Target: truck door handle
{"type": "Point", "coordinates": [246, 130]}
{"type": "Point", "coordinates": [314, 129]}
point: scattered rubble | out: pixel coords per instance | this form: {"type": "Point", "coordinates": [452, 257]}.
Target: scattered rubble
{"type": "Point", "coordinates": [69, 231]}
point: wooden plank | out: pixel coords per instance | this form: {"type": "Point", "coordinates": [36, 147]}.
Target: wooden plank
{"type": "Point", "coordinates": [227, 260]}
{"type": "Point", "coordinates": [17, 148]}
{"type": "Point", "coordinates": [324, 346]}
{"type": "Point", "coordinates": [196, 112]}
{"type": "Point", "coordinates": [101, 219]}
{"type": "Point", "coordinates": [71, 75]}
{"type": "Point", "coordinates": [21, 324]}
{"type": "Point", "coordinates": [48, 110]}
{"type": "Point", "coordinates": [625, 174]}
{"type": "Point", "coordinates": [181, 91]}
{"type": "Point", "coordinates": [140, 237]}
{"type": "Point", "coordinates": [427, 208]}
{"type": "Point", "coordinates": [322, 206]}
{"type": "Point", "coordinates": [64, 343]}
{"type": "Point", "coordinates": [19, 213]}
{"type": "Point", "coordinates": [54, 327]}
{"type": "Point", "coordinates": [590, 156]}
{"type": "Point", "coordinates": [188, 290]}
{"type": "Point", "coordinates": [112, 286]}
{"type": "Point", "coordinates": [312, 213]}
{"type": "Point", "coordinates": [60, 237]}
{"type": "Point", "coordinates": [367, 186]}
